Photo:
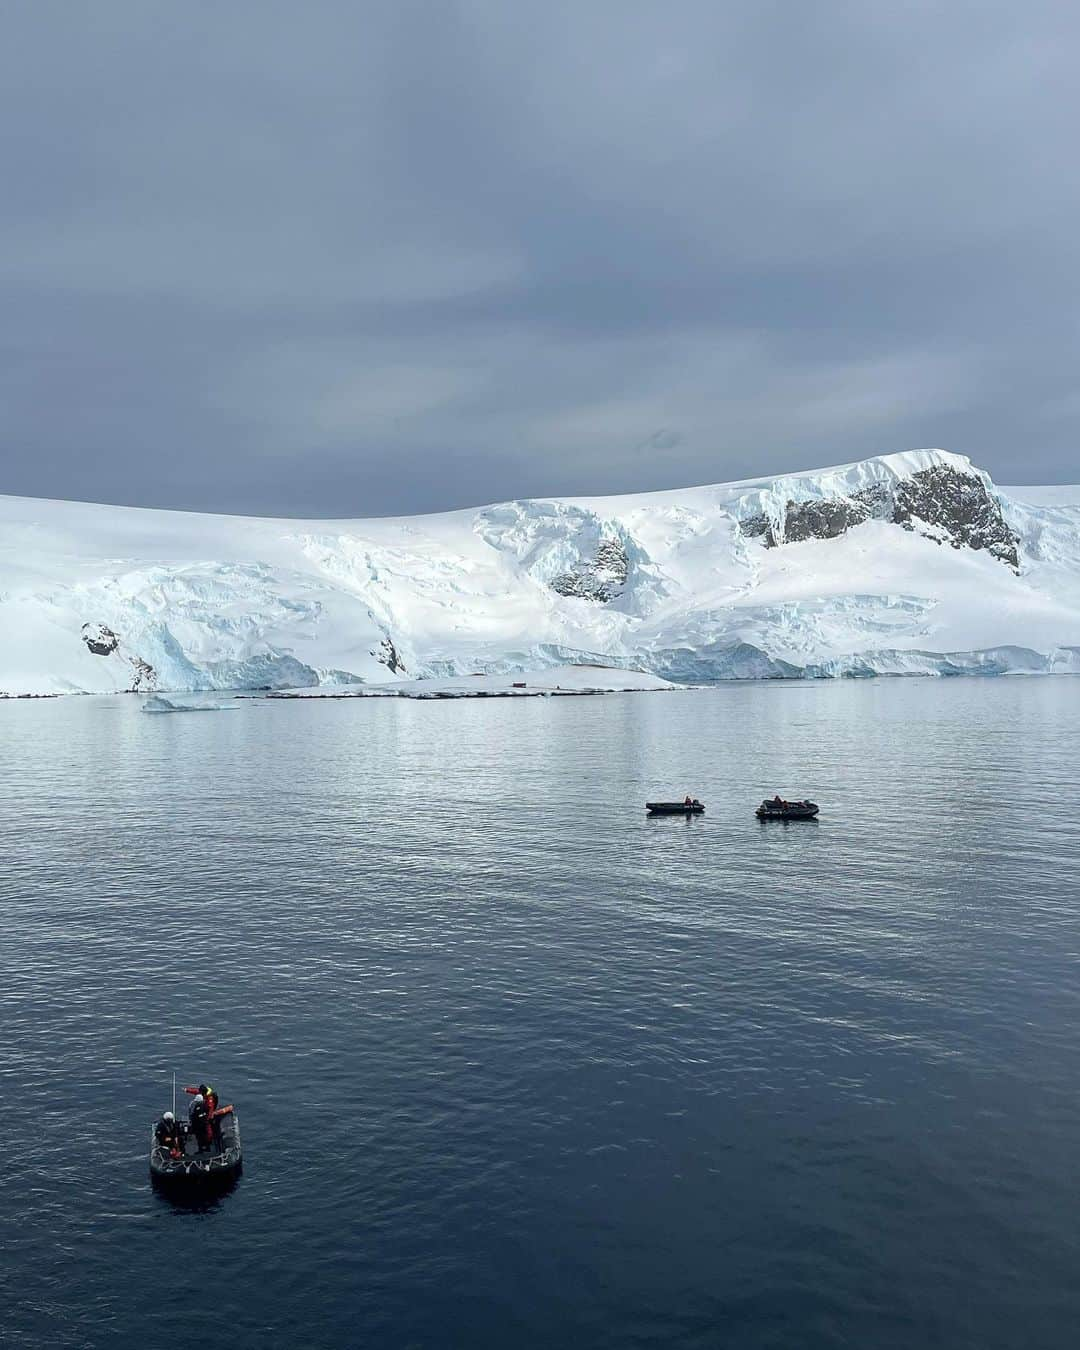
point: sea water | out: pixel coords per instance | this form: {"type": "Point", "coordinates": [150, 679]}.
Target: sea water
{"type": "Point", "coordinates": [518, 1066]}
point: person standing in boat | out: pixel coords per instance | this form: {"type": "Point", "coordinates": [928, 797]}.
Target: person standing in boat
{"type": "Point", "coordinates": [210, 1097]}
{"type": "Point", "coordinates": [214, 1109]}
{"type": "Point", "coordinates": [199, 1120]}
{"type": "Point", "coordinates": [167, 1134]}
{"type": "Point", "coordinates": [208, 1094]}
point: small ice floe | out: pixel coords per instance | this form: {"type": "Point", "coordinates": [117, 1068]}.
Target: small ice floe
{"type": "Point", "coordinates": [156, 704]}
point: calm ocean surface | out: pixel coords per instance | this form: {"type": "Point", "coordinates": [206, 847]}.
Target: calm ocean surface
{"type": "Point", "coordinates": [519, 1067]}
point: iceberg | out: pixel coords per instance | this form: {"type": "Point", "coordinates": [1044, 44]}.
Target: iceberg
{"type": "Point", "coordinates": [157, 704]}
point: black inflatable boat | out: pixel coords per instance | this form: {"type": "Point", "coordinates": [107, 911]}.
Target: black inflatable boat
{"type": "Point", "coordinates": [772, 810]}
{"type": "Point", "coordinates": [674, 808]}
{"type": "Point", "coordinates": [216, 1167]}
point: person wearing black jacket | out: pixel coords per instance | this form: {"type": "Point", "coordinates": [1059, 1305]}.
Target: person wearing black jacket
{"type": "Point", "coordinates": [167, 1134]}
{"type": "Point", "coordinates": [199, 1120]}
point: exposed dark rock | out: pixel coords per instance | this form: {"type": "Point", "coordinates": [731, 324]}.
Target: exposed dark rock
{"type": "Point", "coordinates": [602, 579]}
{"type": "Point", "coordinates": [102, 641]}
{"type": "Point", "coordinates": [831, 517]}
{"type": "Point", "coordinates": [822, 520]}
{"type": "Point", "coordinates": [956, 507]}
{"type": "Point", "coordinates": [145, 675]}
{"type": "Point", "coordinates": [756, 526]}
{"type": "Point", "coordinates": [388, 657]}
{"type": "Point", "coordinates": [877, 498]}
{"type": "Point", "coordinates": [958, 504]}
{"type": "Point", "coordinates": [825, 518]}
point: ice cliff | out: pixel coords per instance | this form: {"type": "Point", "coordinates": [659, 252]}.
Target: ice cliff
{"type": "Point", "coordinates": [913, 563]}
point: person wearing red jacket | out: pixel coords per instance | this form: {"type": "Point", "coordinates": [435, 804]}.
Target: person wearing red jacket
{"type": "Point", "coordinates": [208, 1095]}
{"type": "Point", "coordinates": [205, 1122]}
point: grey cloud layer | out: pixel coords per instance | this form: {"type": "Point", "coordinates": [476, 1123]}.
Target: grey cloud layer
{"type": "Point", "coordinates": [383, 257]}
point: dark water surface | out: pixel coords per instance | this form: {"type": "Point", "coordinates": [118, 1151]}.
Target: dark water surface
{"type": "Point", "coordinates": [517, 1066]}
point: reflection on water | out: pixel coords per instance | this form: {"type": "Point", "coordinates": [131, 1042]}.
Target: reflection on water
{"type": "Point", "coordinates": [194, 1199]}
{"type": "Point", "coordinates": [519, 1065]}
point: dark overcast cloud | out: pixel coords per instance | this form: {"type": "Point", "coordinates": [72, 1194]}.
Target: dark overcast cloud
{"type": "Point", "coordinates": [344, 258]}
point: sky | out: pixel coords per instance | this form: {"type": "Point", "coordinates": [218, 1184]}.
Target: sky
{"type": "Point", "coordinates": [356, 258]}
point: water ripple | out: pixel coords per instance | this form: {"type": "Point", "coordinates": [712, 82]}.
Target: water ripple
{"type": "Point", "coordinates": [519, 1065]}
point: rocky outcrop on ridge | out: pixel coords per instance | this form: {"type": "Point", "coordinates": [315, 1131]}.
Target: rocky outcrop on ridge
{"type": "Point", "coordinates": [145, 676]}
{"type": "Point", "coordinates": [940, 503]}
{"type": "Point", "coordinates": [822, 519]}
{"type": "Point", "coordinates": [100, 639]}
{"type": "Point", "coordinates": [387, 656]}
{"type": "Point", "coordinates": [958, 504]}
{"type": "Point", "coordinates": [602, 579]}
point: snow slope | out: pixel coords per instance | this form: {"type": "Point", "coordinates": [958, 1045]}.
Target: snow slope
{"type": "Point", "coordinates": [905, 563]}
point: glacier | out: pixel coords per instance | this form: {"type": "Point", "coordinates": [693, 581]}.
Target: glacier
{"type": "Point", "coordinates": [913, 563]}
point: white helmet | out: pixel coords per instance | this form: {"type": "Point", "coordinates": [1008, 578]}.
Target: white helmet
{"type": "Point", "coordinates": [199, 1099]}
{"type": "Point", "coordinates": [168, 1115]}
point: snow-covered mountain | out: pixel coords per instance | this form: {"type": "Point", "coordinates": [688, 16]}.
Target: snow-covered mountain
{"type": "Point", "coordinates": [900, 564]}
